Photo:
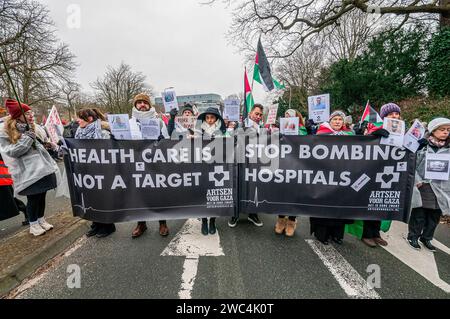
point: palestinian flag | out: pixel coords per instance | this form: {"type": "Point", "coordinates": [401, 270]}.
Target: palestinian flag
{"type": "Point", "coordinates": [371, 116]}
{"type": "Point", "coordinates": [356, 229]}
{"type": "Point", "coordinates": [248, 102]}
{"type": "Point", "coordinates": [262, 73]}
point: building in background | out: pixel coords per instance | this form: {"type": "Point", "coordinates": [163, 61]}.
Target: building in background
{"type": "Point", "coordinates": [201, 101]}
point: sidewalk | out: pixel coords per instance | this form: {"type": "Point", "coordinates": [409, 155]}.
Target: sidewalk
{"type": "Point", "coordinates": [21, 253]}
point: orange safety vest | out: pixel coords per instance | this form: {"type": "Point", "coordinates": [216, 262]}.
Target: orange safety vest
{"type": "Point", "coordinates": [5, 177]}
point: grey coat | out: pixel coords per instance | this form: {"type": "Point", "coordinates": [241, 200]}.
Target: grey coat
{"type": "Point", "coordinates": [440, 188]}
{"type": "Point", "coordinates": [26, 164]}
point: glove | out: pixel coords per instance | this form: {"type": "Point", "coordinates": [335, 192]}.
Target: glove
{"type": "Point", "coordinates": [380, 133]}
{"type": "Point", "coordinates": [423, 141]}
{"type": "Point", "coordinates": [30, 134]}
{"type": "Point", "coordinates": [173, 113]}
{"type": "Point", "coordinates": [360, 127]}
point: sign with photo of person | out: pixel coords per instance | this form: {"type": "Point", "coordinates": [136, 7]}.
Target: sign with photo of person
{"type": "Point", "coordinates": [169, 98]}
{"type": "Point", "coordinates": [120, 126]}
{"type": "Point", "coordinates": [396, 129]}
{"type": "Point", "coordinates": [319, 108]}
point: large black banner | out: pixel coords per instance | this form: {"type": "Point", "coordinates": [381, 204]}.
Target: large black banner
{"type": "Point", "coordinates": [350, 177]}
{"type": "Point", "coordinates": [116, 181]}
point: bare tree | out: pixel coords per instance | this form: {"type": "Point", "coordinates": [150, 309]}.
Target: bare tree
{"type": "Point", "coordinates": [116, 90]}
{"type": "Point", "coordinates": [38, 62]}
{"type": "Point", "coordinates": [287, 24]}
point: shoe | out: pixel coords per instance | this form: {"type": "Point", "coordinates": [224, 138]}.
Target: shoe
{"type": "Point", "coordinates": [205, 226]}
{"type": "Point", "coordinates": [105, 230]}
{"type": "Point", "coordinates": [338, 241]}
{"type": "Point", "coordinates": [25, 223]}
{"type": "Point", "coordinates": [139, 230]}
{"type": "Point", "coordinates": [37, 230]}
{"type": "Point", "coordinates": [44, 224]}
{"type": "Point", "coordinates": [233, 222]}
{"type": "Point", "coordinates": [427, 243]}
{"type": "Point", "coordinates": [413, 243]}
{"type": "Point", "coordinates": [255, 220]}
{"type": "Point", "coordinates": [290, 228]}
{"type": "Point", "coordinates": [325, 242]}
{"type": "Point", "coordinates": [163, 229]}
{"type": "Point", "coordinates": [212, 226]}
{"type": "Point", "coordinates": [280, 226]}
{"type": "Point", "coordinates": [380, 241]}
{"type": "Point", "coordinates": [369, 242]}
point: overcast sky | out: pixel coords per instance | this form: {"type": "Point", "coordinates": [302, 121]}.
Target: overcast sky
{"type": "Point", "coordinates": [179, 43]}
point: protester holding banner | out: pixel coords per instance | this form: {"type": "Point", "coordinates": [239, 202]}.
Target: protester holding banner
{"type": "Point", "coordinates": [143, 109]}
{"type": "Point", "coordinates": [212, 126]}
{"type": "Point", "coordinates": [254, 121]}
{"type": "Point", "coordinates": [326, 228]}
{"type": "Point", "coordinates": [431, 196]}
{"type": "Point", "coordinates": [287, 225]}
{"type": "Point", "coordinates": [32, 169]}
{"type": "Point", "coordinates": [93, 125]}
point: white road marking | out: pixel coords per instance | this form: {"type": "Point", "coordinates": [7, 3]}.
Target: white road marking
{"type": "Point", "coordinates": [422, 261]}
{"type": "Point", "coordinates": [190, 242]}
{"type": "Point", "coordinates": [348, 278]}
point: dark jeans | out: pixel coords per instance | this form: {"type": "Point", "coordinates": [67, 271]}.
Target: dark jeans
{"type": "Point", "coordinates": [423, 223]}
{"type": "Point", "coordinates": [291, 218]}
{"type": "Point", "coordinates": [35, 206]}
{"type": "Point", "coordinates": [371, 229]}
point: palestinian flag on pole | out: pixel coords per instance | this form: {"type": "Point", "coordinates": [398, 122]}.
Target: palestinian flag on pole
{"type": "Point", "coordinates": [248, 97]}
{"type": "Point", "coordinates": [262, 73]}
{"type": "Point", "coordinates": [371, 116]}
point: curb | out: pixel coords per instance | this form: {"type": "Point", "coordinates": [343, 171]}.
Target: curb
{"type": "Point", "coordinates": [19, 272]}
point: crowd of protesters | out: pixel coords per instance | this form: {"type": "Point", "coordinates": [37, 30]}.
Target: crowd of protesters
{"type": "Point", "coordinates": [28, 168]}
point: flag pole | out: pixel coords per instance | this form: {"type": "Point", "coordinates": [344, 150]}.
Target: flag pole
{"type": "Point", "coordinates": [14, 90]}
{"type": "Point", "coordinates": [290, 95]}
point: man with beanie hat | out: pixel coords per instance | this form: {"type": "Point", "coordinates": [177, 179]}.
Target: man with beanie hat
{"type": "Point", "coordinates": [142, 109]}
{"type": "Point", "coordinates": [390, 110]}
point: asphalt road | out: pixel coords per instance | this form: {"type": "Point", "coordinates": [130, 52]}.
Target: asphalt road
{"type": "Point", "coordinates": [256, 263]}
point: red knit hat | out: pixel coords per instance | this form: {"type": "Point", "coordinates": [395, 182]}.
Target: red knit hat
{"type": "Point", "coordinates": [14, 109]}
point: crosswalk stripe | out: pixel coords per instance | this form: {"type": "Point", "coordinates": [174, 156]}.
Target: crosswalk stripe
{"type": "Point", "coordinates": [348, 278]}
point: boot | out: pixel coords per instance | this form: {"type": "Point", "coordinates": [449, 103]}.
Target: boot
{"type": "Point", "coordinates": [212, 225]}
{"type": "Point", "coordinates": [280, 225]}
{"type": "Point", "coordinates": [205, 226]}
{"type": "Point", "coordinates": [369, 242]}
{"type": "Point", "coordinates": [290, 228]}
{"type": "Point", "coordinates": [139, 230]}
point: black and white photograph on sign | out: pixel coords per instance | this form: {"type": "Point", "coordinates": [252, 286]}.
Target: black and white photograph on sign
{"type": "Point", "coordinates": [231, 110]}
{"type": "Point", "coordinates": [150, 129]}
{"type": "Point", "coordinates": [437, 166]}
{"type": "Point", "coordinates": [396, 129]}
{"type": "Point", "coordinates": [319, 108]}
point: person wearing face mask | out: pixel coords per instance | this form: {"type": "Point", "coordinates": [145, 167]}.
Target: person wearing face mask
{"type": "Point", "coordinates": [143, 109]}
{"type": "Point", "coordinates": [325, 229]}
{"type": "Point", "coordinates": [431, 197]}
{"type": "Point", "coordinates": [33, 170]}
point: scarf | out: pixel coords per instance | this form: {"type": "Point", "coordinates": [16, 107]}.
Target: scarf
{"type": "Point", "coordinates": [91, 131]}
{"type": "Point", "coordinates": [435, 142]}
{"type": "Point", "coordinates": [139, 115]}
{"type": "Point", "coordinates": [211, 129]}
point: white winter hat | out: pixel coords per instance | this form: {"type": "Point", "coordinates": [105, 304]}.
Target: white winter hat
{"type": "Point", "coordinates": [434, 124]}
